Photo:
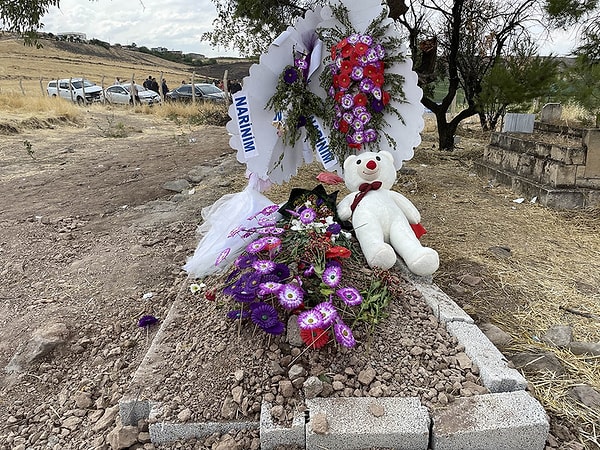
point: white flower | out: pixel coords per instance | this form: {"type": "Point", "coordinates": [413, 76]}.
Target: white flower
{"type": "Point", "coordinates": [195, 287]}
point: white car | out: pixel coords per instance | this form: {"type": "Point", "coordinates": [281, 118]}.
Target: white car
{"type": "Point", "coordinates": [78, 90]}
{"type": "Point", "coordinates": [121, 94]}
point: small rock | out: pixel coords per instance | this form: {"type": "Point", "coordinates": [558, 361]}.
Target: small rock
{"type": "Point", "coordinates": [228, 408]}
{"type": "Point", "coordinates": [83, 400]}
{"type": "Point", "coordinates": [470, 280]}
{"type": "Point", "coordinates": [500, 251]}
{"type": "Point", "coordinates": [537, 362]}
{"type": "Point", "coordinates": [238, 375]}
{"type": "Point", "coordinates": [236, 393]}
{"type": "Point", "coordinates": [43, 341]}
{"type": "Point", "coordinates": [558, 336]}
{"type": "Point", "coordinates": [312, 387]}
{"type": "Point", "coordinates": [227, 442]}
{"type": "Point", "coordinates": [296, 371]}
{"type": "Point", "coordinates": [278, 413]}
{"type": "Point", "coordinates": [184, 415]}
{"type": "Point", "coordinates": [107, 419]}
{"type": "Point", "coordinates": [497, 336]}
{"type": "Point", "coordinates": [286, 388]}
{"type": "Point", "coordinates": [585, 348]}
{"type": "Point", "coordinates": [586, 395]}
{"type": "Point", "coordinates": [366, 376]}
{"type": "Point", "coordinates": [416, 351]}
{"type": "Point", "coordinates": [72, 422]}
{"type": "Point", "coordinates": [293, 332]}
{"type": "Point", "coordinates": [376, 409]}
{"type": "Point", "coordinates": [319, 423]}
{"type": "Point", "coordinates": [464, 361]}
{"type": "Point", "coordinates": [177, 185]}
{"type": "Point", "coordinates": [122, 437]}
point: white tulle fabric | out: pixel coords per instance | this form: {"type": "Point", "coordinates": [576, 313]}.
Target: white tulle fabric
{"type": "Point", "coordinates": [271, 161]}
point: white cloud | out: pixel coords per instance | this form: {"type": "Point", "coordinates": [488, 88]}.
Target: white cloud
{"type": "Point", "coordinates": [174, 24]}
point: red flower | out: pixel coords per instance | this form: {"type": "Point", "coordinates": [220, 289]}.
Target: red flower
{"type": "Point", "coordinates": [360, 99]}
{"type": "Point", "coordinates": [344, 126]}
{"type": "Point", "coordinates": [361, 48]}
{"type": "Point", "coordinates": [338, 96]}
{"type": "Point", "coordinates": [342, 43]}
{"type": "Point", "coordinates": [356, 146]}
{"type": "Point", "coordinates": [315, 338]}
{"type": "Point", "coordinates": [377, 79]}
{"type": "Point", "coordinates": [346, 67]}
{"type": "Point", "coordinates": [338, 251]}
{"type": "Point", "coordinates": [344, 80]}
{"type": "Point", "coordinates": [336, 81]}
{"type": "Point", "coordinates": [210, 295]}
{"type": "Point", "coordinates": [347, 51]}
{"type": "Point", "coordinates": [370, 70]}
{"type": "Point", "coordinates": [385, 97]}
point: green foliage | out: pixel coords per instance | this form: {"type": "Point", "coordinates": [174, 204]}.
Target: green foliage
{"type": "Point", "coordinates": [373, 309]}
{"type": "Point", "coordinates": [103, 44]}
{"type": "Point", "coordinates": [581, 85]}
{"type": "Point", "coordinates": [514, 81]}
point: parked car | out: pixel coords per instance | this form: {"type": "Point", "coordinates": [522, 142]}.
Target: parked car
{"type": "Point", "coordinates": [121, 94]}
{"type": "Point", "coordinates": [77, 90]}
{"type": "Point", "coordinates": [204, 92]}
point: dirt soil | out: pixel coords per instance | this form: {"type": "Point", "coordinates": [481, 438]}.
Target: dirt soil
{"type": "Point", "coordinates": [91, 240]}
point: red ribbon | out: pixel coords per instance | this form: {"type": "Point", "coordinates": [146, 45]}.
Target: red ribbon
{"type": "Point", "coordinates": [364, 188]}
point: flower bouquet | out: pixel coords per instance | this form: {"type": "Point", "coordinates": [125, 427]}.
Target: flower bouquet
{"type": "Point", "coordinates": [301, 265]}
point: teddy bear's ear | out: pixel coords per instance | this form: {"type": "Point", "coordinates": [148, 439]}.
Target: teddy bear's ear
{"type": "Point", "coordinates": [387, 155]}
{"type": "Point", "coordinates": [349, 160]}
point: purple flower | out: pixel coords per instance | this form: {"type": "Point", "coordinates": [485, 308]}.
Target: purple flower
{"type": "Point", "coordinates": [256, 246]}
{"type": "Point", "coordinates": [266, 221]}
{"type": "Point", "coordinates": [347, 101]}
{"type": "Point", "coordinates": [328, 312]}
{"type": "Point", "coordinates": [310, 319]}
{"type": "Point", "coordinates": [238, 314]}
{"type": "Point", "coordinates": [281, 271]}
{"type": "Point", "coordinates": [268, 210]}
{"type": "Point", "coordinates": [301, 121]}
{"type": "Point", "coordinates": [290, 75]}
{"type": "Point", "coordinates": [350, 296]}
{"type": "Point", "coordinates": [366, 39]}
{"type": "Point", "coordinates": [357, 125]}
{"type": "Point", "coordinates": [264, 315]}
{"type": "Point", "coordinates": [290, 296]}
{"type": "Point", "coordinates": [222, 256]}
{"type": "Point", "coordinates": [311, 269]}
{"type": "Point", "coordinates": [363, 117]}
{"type": "Point", "coordinates": [377, 105]}
{"type": "Point", "coordinates": [354, 38]}
{"type": "Point", "coordinates": [269, 287]}
{"type": "Point", "coordinates": [358, 137]}
{"type": "Point", "coordinates": [244, 296]}
{"type": "Point", "coordinates": [263, 266]}
{"type": "Point", "coordinates": [366, 85]}
{"type": "Point", "coordinates": [301, 63]}
{"type": "Point", "coordinates": [308, 215]}
{"type": "Point", "coordinates": [334, 228]}
{"type": "Point", "coordinates": [348, 116]}
{"type": "Point", "coordinates": [343, 334]}
{"type": "Point", "coordinates": [377, 93]}
{"type": "Point", "coordinates": [380, 51]}
{"type": "Point", "coordinates": [372, 55]}
{"type": "Point", "coordinates": [332, 275]}
{"type": "Point", "coordinates": [276, 329]}
{"type": "Point", "coordinates": [146, 321]}
{"type": "Point", "coordinates": [244, 260]}
{"type": "Point", "coordinates": [357, 73]}
{"type": "Point", "coordinates": [250, 282]}
{"type": "Point", "coordinates": [370, 135]}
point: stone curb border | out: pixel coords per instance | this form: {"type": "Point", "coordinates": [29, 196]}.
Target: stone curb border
{"type": "Point", "coordinates": [509, 418]}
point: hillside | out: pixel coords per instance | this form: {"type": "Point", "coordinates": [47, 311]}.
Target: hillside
{"type": "Point", "coordinates": [28, 69]}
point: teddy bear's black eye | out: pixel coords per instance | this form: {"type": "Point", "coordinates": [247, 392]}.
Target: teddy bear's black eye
{"type": "Point", "coordinates": [378, 158]}
{"type": "Point", "coordinates": [358, 161]}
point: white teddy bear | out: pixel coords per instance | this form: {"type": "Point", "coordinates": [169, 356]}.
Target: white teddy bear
{"type": "Point", "coordinates": [382, 218]}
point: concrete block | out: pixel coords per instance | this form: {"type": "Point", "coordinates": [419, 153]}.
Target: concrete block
{"type": "Point", "coordinates": [591, 141]}
{"type": "Point", "coordinates": [507, 421]}
{"type": "Point", "coordinates": [364, 423]}
{"type": "Point", "coordinates": [163, 432]}
{"type": "Point", "coordinates": [131, 411]}
{"type": "Point", "coordinates": [272, 435]}
{"type": "Point", "coordinates": [493, 369]}
{"type": "Point", "coordinates": [562, 198]}
{"type": "Point", "coordinates": [557, 174]}
{"type": "Point", "coordinates": [444, 308]}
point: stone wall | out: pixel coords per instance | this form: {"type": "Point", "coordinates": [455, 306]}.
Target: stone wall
{"type": "Point", "coordinates": [558, 165]}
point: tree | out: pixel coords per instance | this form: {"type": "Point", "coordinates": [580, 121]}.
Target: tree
{"type": "Point", "coordinates": [517, 79]}
{"type": "Point", "coordinates": [585, 16]}
{"type": "Point", "coordinates": [24, 16]}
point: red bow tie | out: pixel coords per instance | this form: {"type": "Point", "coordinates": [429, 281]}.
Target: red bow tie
{"type": "Point", "coordinates": [364, 188]}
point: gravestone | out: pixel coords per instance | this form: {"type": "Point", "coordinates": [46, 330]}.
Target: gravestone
{"type": "Point", "coordinates": [551, 113]}
{"type": "Point", "coordinates": [518, 123]}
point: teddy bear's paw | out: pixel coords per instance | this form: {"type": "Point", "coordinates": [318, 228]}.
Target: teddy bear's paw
{"type": "Point", "coordinates": [425, 263]}
{"type": "Point", "coordinates": [384, 257]}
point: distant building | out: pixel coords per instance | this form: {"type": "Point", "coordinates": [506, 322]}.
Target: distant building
{"type": "Point", "coordinates": [160, 49]}
{"type": "Point", "coordinates": [72, 36]}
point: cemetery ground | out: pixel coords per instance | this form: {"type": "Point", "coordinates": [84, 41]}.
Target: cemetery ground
{"type": "Point", "coordinates": [92, 240]}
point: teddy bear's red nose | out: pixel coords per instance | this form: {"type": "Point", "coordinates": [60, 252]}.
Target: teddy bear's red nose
{"type": "Point", "coordinates": [371, 165]}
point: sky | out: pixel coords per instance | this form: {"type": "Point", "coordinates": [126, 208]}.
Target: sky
{"type": "Point", "coordinates": [174, 24]}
